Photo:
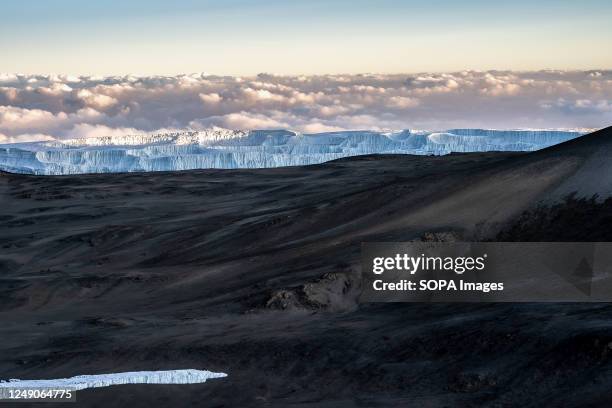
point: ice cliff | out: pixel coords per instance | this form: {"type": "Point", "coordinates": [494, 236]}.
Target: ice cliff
{"type": "Point", "coordinates": [81, 382]}
{"type": "Point", "coordinates": [229, 149]}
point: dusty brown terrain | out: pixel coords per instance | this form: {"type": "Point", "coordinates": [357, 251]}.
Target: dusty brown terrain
{"type": "Point", "coordinates": [256, 273]}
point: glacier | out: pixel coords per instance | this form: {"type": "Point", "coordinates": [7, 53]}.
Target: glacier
{"type": "Point", "coordinates": [232, 149]}
{"type": "Point", "coordinates": [81, 382]}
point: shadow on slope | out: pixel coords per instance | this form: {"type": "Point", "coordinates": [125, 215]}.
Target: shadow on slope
{"type": "Point", "coordinates": [572, 220]}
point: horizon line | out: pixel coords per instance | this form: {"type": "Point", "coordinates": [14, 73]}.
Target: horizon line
{"type": "Point", "coordinates": [276, 74]}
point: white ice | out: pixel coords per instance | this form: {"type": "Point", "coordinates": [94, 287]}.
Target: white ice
{"type": "Point", "coordinates": [230, 149]}
{"type": "Point", "coordinates": [81, 382]}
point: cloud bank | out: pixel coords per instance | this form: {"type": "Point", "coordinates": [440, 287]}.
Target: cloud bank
{"type": "Point", "coordinates": [39, 107]}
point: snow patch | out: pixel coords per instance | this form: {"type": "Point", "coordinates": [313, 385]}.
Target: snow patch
{"type": "Point", "coordinates": [81, 382]}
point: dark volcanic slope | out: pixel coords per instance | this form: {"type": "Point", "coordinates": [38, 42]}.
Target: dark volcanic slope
{"type": "Point", "coordinates": [255, 273]}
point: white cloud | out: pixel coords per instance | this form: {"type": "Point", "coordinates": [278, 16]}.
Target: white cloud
{"type": "Point", "coordinates": [317, 127]}
{"type": "Point", "coordinates": [64, 106]}
{"type": "Point", "coordinates": [96, 100]}
{"type": "Point", "coordinates": [18, 119]}
{"type": "Point", "coordinates": [83, 130]}
{"type": "Point", "coordinates": [502, 89]}
{"type": "Point", "coordinates": [26, 137]}
{"type": "Point", "coordinates": [9, 93]}
{"type": "Point", "coordinates": [402, 102]}
{"type": "Point", "coordinates": [240, 120]}
{"type": "Point", "coordinates": [211, 98]}
{"type": "Point", "coordinates": [588, 105]}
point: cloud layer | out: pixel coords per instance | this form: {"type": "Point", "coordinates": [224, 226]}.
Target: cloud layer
{"type": "Point", "coordinates": [36, 107]}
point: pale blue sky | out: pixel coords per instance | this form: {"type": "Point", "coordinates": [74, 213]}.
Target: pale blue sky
{"type": "Point", "coordinates": [242, 37]}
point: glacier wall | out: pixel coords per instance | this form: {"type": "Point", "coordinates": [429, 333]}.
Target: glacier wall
{"type": "Point", "coordinates": [231, 149]}
{"type": "Point", "coordinates": [81, 382]}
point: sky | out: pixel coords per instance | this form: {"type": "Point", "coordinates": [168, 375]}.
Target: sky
{"type": "Point", "coordinates": [247, 37]}
{"type": "Point", "coordinates": [78, 69]}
